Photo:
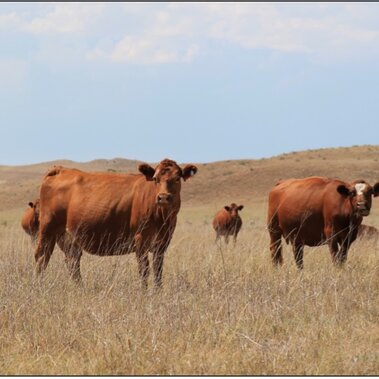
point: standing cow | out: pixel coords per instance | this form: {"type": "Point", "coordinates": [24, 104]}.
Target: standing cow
{"type": "Point", "coordinates": [227, 222]}
{"type": "Point", "coordinates": [30, 220]}
{"type": "Point", "coordinates": [317, 210]}
{"type": "Point", "coordinates": [110, 214]}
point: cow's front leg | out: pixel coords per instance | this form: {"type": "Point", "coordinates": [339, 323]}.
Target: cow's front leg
{"type": "Point", "coordinates": [143, 267]}
{"type": "Point", "coordinates": [298, 250]}
{"type": "Point", "coordinates": [142, 255]}
{"type": "Point", "coordinates": [344, 248]}
{"type": "Point", "coordinates": [332, 242]}
{"type": "Point", "coordinates": [158, 257]}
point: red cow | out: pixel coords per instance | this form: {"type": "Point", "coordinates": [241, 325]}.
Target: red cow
{"type": "Point", "coordinates": [110, 214]}
{"type": "Point", "coordinates": [317, 210]}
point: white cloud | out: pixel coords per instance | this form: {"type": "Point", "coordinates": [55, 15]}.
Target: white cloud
{"type": "Point", "coordinates": [148, 33]}
{"type": "Point", "coordinates": [10, 21]}
{"type": "Point", "coordinates": [66, 18]}
{"type": "Point", "coordinates": [148, 50]}
{"type": "Point", "coordinates": [253, 25]}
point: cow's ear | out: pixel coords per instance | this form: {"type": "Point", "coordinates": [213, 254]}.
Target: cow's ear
{"type": "Point", "coordinates": [146, 170]}
{"type": "Point", "coordinates": [343, 190]}
{"type": "Point", "coordinates": [188, 171]}
{"type": "Point", "coordinates": [31, 205]}
{"type": "Point", "coordinates": [227, 208]}
{"type": "Point", "coordinates": [240, 208]}
{"type": "Point", "coordinates": [375, 189]}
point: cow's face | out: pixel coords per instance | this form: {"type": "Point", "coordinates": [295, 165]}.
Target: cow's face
{"type": "Point", "coordinates": [167, 177]}
{"type": "Point", "coordinates": [361, 194]}
{"type": "Point", "coordinates": [233, 209]}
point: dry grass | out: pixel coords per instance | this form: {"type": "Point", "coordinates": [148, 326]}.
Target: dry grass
{"type": "Point", "coordinates": [236, 315]}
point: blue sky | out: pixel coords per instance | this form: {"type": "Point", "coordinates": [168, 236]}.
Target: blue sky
{"type": "Point", "coordinates": [195, 82]}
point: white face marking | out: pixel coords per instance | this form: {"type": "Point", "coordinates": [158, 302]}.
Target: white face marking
{"type": "Point", "coordinates": [360, 187]}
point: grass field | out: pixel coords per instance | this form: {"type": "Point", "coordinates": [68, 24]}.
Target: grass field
{"type": "Point", "coordinates": [221, 310]}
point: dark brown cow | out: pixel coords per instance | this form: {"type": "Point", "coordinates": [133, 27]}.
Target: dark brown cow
{"type": "Point", "coordinates": [30, 220]}
{"type": "Point", "coordinates": [367, 231]}
{"type": "Point", "coordinates": [317, 210]}
{"type": "Point", "coordinates": [227, 222]}
{"type": "Point", "coordinates": [110, 214]}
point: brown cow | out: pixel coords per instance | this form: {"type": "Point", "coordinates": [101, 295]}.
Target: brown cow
{"type": "Point", "coordinates": [30, 220]}
{"type": "Point", "coordinates": [110, 214]}
{"type": "Point", "coordinates": [227, 222]}
{"type": "Point", "coordinates": [317, 210]}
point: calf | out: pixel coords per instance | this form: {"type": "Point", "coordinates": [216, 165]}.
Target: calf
{"type": "Point", "coordinates": [227, 222]}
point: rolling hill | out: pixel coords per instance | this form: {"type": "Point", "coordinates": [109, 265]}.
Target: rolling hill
{"type": "Point", "coordinates": [218, 182]}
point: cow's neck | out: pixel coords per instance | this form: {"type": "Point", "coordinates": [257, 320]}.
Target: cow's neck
{"type": "Point", "coordinates": [167, 214]}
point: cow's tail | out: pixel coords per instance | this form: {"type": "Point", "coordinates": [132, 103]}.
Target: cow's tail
{"type": "Point", "coordinates": [275, 237]}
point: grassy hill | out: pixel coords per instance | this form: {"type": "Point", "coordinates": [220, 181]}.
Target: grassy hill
{"type": "Point", "coordinates": [218, 182]}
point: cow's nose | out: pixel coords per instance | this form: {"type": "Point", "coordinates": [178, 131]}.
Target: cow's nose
{"type": "Point", "coordinates": [164, 198]}
{"type": "Point", "coordinates": [363, 208]}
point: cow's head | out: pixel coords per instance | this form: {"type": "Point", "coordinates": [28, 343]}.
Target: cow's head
{"type": "Point", "coordinates": [34, 221]}
{"type": "Point", "coordinates": [167, 177]}
{"type": "Point", "coordinates": [233, 209]}
{"type": "Point", "coordinates": [361, 194]}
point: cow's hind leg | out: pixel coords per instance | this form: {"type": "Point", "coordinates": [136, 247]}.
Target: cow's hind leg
{"type": "Point", "coordinates": [298, 251]}
{"type": "Point", "coordinates": [275, 240]}
{"type": "Point", "coordinates": [276, 247]}
{"type": "Point", "coordinates": [73, 253]}
{"type": "Point", "coordinates": [44, 249]}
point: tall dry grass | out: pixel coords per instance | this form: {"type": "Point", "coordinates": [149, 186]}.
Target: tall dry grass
{"type": "Point", "coordinates": [221, 311]}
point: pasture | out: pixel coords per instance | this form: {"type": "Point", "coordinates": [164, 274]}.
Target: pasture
{"type": "Point", "coordinates": [221, 310]}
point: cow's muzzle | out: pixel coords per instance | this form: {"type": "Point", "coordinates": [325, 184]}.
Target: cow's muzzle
{"type": "Point", "coordinates": [164, 199]}
{"type": "Point", "coordinates": [362, 209]}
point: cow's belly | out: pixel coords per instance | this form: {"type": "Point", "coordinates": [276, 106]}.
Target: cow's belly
{"type": "Point", "coordinates": [99, 240]}
{"type": "Point", "coordinates": [306, 231]}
